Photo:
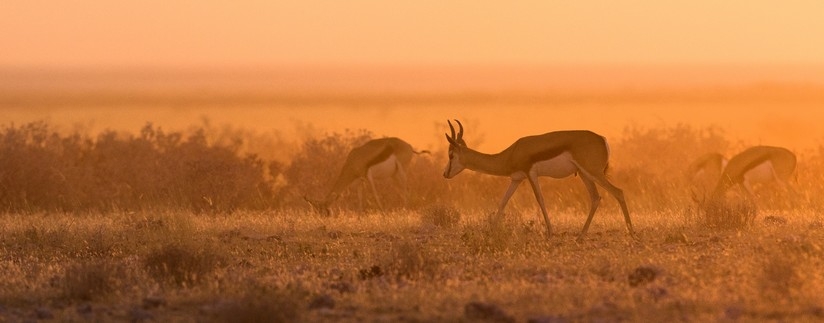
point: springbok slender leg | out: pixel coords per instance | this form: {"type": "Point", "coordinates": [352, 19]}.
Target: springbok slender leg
{"type": "Point", "coordinates": [613, 190]}
{"type": "Point", "coordinates": [536, 188]}
{"type": "Point", "coordinates": [374, 190]}
{"type": "Point", "coordinates": [513, 185]}
{"type": "Point", "coordinates": [360, 195]}
{"type": "Point", "coordinates": [595, 200]}
{"type": "Point", "coordinates": [403, 182]}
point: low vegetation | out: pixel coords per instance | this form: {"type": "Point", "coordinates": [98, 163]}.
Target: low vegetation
{"type": "Point", "coordinates": [180, 226]}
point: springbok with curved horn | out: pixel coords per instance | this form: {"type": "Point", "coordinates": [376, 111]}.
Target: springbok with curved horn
{"type": "Point", "coordinates": [556, 154]}
{"type": "Point", "coordinates": [376, 159]}
{"type": "Point", "coordinates": [759, 164]}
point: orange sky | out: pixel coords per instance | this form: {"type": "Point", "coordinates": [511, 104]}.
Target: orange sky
{"type": "Point", "coordinates": [37, 33]}
{"type": "Point", "coordinates": [489, 63]}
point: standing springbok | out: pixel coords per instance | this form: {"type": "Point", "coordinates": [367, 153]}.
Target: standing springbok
{"type": "Point", "coordinates": [376, 159]}
{"type": "Point", "coordinates": [759, 164]}
{"type": "Point", "coordinates": [556, 154]}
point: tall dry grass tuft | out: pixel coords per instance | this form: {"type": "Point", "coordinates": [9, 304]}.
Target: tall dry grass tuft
{"type": "Point", "coordinates": [495, 234]}
{"type": "Point", "coordinates": [183, 263]}
{"type": "Point", "coordinates": [89, 281]}
{"type": "Point", "coordinates": [411, 259]}
{"type": "Point", "coordinates": [440, 215]}
{"type": "Point", "coordinates": [719, 213]}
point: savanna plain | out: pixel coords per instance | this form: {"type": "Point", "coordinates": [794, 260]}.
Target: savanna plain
{"type": "Point", "coordinates": [201, 225]}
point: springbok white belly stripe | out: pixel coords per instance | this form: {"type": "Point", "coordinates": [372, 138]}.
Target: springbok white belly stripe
{"type": "Point", "coordinates": [762, 173]}
{"type": "Point", "coordinates": [384, 169]}
{"type": "Point", "coordinates": [557, 167]}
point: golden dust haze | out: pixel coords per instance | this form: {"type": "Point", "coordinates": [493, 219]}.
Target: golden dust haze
{"type": "Point", "coordinates": [754, 69]}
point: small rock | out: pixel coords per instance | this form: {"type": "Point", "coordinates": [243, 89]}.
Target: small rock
{"type": "Point", "coordinates": [642, 275]}
{"type": "Point", "coordinates": [733, 312]}
{"type": "Point", "coordinates": [658, 293]}
{"type": "Point", "coordinates": [43, 313]}
{"type": "Point", "coordinates": [84, 309]}
{"type": "Point", "coordinates": [374, 271]}
{"type": "Point", "coordinates": [138, 314]}
{"type": "Point", "coordinates": [775, 220]}
{"type": "Point", "coordinates": [478, 311]}
{"type": "Point", "coordinates": [322, 301]}
{"type": "Point", "coordinates": [676, 238]}
{"type": "Point", "coordinates": [153, 302]}
{"type": "Point", "coordinates": [343, 287]}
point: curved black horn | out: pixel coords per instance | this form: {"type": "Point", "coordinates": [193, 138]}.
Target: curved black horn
{"type": "Point", "coordinates": [460, 132]}
{"type": "Point", "coordinates": [451, 128]}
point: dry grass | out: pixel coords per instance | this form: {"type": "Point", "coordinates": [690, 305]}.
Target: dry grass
{"type": "Point", "coordinates": [295, 266]}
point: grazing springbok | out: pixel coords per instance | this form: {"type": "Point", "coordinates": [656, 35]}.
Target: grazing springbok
{"type": "Point", "coordinates": [376, 159]}
{"type": "Point", "coordinates": [703, 173]}
{"type": "Point", "coordinates": [556, 154]}
{"type": "Point", "coordinates": [755, 165]}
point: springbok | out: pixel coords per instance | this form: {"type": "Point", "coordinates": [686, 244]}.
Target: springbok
{"type": "Point", "coordinates": [704, 172]}
{"type": "Point", "coordinates": [376, 159]}
{"type": "Point", "coordinates": [556, 154]}
{"type": "Point", "coordinates": [759, 164]}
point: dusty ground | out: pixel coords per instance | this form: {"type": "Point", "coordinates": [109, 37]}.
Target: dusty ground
{"type": "Point", "coordinates": [408, 266]}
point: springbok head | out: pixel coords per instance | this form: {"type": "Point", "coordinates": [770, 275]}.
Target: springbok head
{"type": "Point", "coordinates": [456, 147]}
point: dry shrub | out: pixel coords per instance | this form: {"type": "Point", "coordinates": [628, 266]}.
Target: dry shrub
{"type": "Point", "coordinates": [183, 263]}
{"type": "Point", "coordinates": [440, 215]}
{"type": "Point", "coordinates": [411, 259]}
{"type": "Point", "coordinates": [42, 169]}
{"type": "Point", "coordinates": [726, 214]}
{"type": "Point", "coordinates": [495, 234]}
{"type": "Point", "coordinates": [88, 281]}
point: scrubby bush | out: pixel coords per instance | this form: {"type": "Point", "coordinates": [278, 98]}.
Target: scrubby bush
{"type": "Point", "coordinates": [43, 170]}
